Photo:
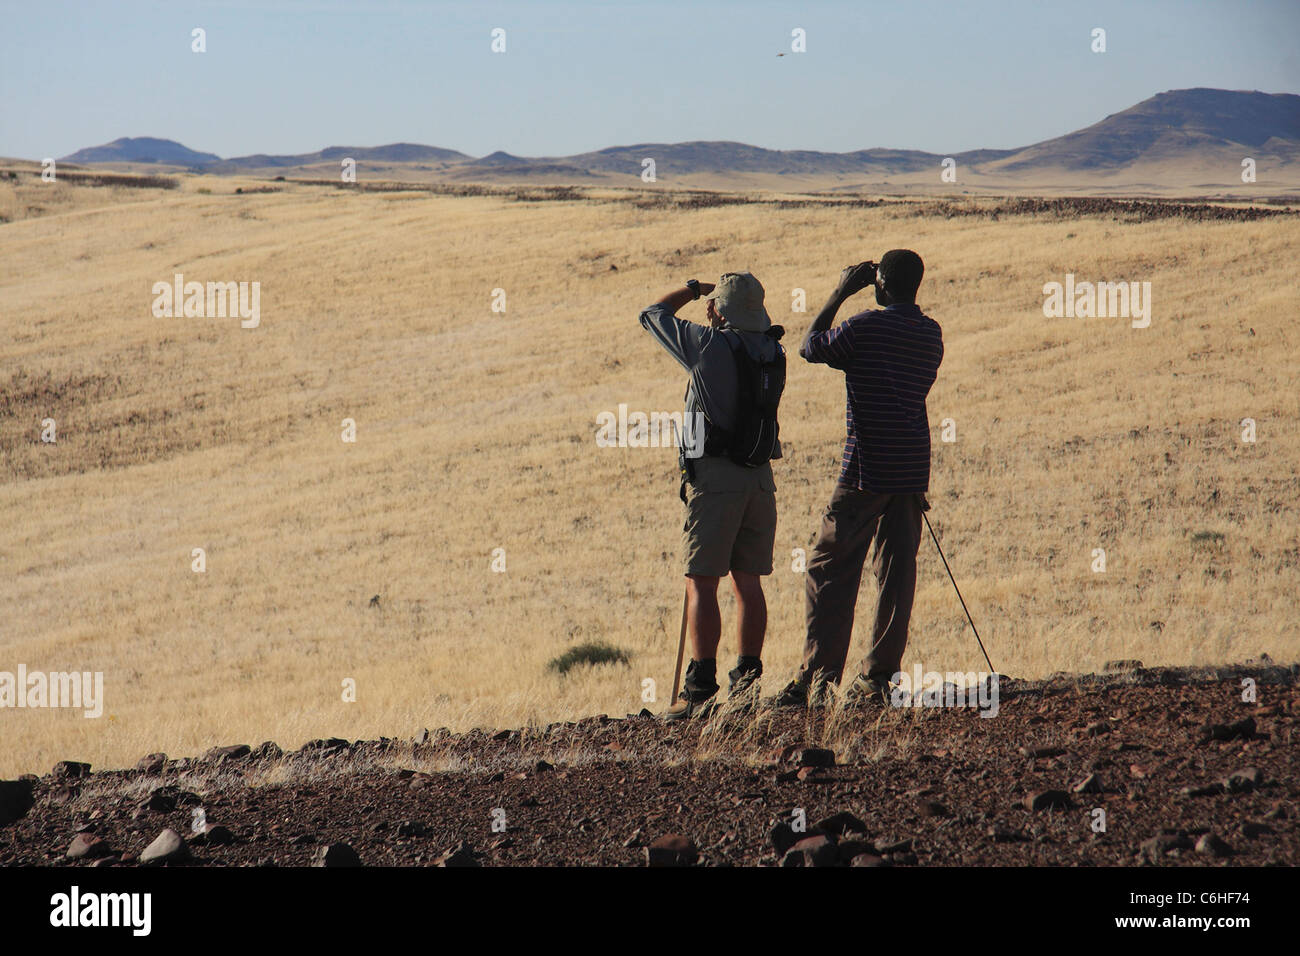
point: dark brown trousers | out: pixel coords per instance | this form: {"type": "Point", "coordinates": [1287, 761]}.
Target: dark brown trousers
{"type": "Point", "coordinates": [857, 523]}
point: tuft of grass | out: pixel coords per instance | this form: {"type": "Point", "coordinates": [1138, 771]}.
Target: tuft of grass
{"type": "Point", "coordinates": [1207, 537]}
{"type": "Point", "coordinates": [591, 652]}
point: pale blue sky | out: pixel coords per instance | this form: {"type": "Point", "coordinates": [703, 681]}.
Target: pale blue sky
{"type": "Point", "coordinates": [296, 76]}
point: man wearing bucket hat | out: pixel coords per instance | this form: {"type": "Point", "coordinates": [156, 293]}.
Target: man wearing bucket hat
{"type": "Point", "coordinates": [730, 496]}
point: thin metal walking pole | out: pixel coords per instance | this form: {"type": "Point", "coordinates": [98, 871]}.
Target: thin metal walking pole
{"type": "Point", "coordinates": [992, 669]}
{"type": "Point", "coordinates": [681, 650]}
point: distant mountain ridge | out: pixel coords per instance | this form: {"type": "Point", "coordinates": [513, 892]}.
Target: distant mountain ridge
{"type": "Point", "coordinates": [1193, 126]}
{"type": "Point", "coordinates": [142, 149]}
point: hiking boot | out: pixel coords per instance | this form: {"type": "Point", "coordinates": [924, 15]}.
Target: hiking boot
{"type": "Point", "coordinates": [867, 692]}
{"type": "Point", "coordinates": [742, 679]}
{"type": "Point", "coordinates": [698, 693]}
{"type": "Point", "coordinates": [689, 707]}
{"type": "Point", "coordinates": [796, 695]}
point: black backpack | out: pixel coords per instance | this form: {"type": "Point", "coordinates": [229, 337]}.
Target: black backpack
{"type": "Point", "coordinates": [755, 438]}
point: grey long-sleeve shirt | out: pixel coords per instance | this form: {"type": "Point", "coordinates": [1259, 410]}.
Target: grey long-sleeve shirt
{"type": "Point", "coordinates": [706, 356]}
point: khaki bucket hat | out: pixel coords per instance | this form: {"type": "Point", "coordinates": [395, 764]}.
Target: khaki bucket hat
{"type": "Point", "coordinates": [739, 298]}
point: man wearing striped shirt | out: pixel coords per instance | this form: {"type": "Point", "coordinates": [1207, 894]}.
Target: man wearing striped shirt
{"type": "Point", "coordinates": [890, 358]}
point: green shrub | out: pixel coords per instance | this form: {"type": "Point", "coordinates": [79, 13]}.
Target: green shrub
{"type": "Point", "coordinates": [592, 652]}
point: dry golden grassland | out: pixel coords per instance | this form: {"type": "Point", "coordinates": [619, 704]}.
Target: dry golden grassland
{"type": "Point", "coordinates": [476, 431]}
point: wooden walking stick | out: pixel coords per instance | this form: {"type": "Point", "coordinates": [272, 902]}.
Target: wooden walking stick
{"type": "Point", "coordinates": [681, 650]}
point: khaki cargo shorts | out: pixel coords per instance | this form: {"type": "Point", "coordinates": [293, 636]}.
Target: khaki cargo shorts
{"type": "Point", "coordinates": [730, 519]}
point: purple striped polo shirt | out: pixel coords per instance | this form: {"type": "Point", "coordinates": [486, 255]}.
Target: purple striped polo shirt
{"type": "Point", "coordinates": [889, 358]}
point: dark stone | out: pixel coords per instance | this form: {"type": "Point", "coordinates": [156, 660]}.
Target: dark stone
{"type": "Point", "coordinates": [1244, 780]}
{"type": "Point", "coordinates": [71, 770]}
{"type": "Point", "coordinates": [420, 781]}
{"type": "Point", "coordinates": [160, 801]}
{"type": "Point", "coordinates": [1243, 729]}
{"type": "Point", "coordinates": [1039, 753]}
{"type": "Point", "coordinates": [1047, 800]}
{"type": "Point", "coordinates": [324, 746]}
{"type": "Point", "coordinates": [1001, 835]}
{"type": "Point", "coordinates": [848, 849]}
{"type": "Point", "coordinates": [783, 836]}
{"type": "Point", "coordinates": [672, 849]}
{"type": "Point", "coordinates": [213, 834]}
{"type": "Point", "coordinates": [15, 800]}
{"type": "Point", "coordinates": [1162, 843]}
{"type": "Point", "coordinates": [841, 823]}
{"type": "Point", "coordinates": [1251, 830]}
{"type": "Point", "coordinates": [1089, 784]}
{"type": "Point", "coordinates": [412, 828]}
{"type": "Point", "coordinates": [222, 754]}
{"type": "Point", "coordinates": [932, 808]}
{"type": "Point", "coordinates": [337, 854]}
{"type": "Point", "coordinates": [462, 854]}
{"type": "Point", "coordinates": [814, 757]}
{"type": "Point", "coordinates": [1208, 790]}
{"type": "Point", "coordinates": [152, 763]}
{"type": "Point", "coordinates": [1211, 845]}
{"type": "Point", "coordinates": [267, 750]}
{"type": "Point", "coordinates": [818, 850]}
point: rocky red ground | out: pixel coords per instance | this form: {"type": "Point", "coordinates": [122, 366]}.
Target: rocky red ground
{"type": "Point", "coordinates": [1186, 772]}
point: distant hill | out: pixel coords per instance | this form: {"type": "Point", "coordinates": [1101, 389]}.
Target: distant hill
{"type": "Point", "coordinates": [142, 149]}
{"type": "Point", "coordinates": [1196, 136]}
{"type": "Point", "coordinates": [725, 157]}
{"type": "Point", "coordinates": [1171, 126]}
{"type": "Point", "coordinates": [393, 153]}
